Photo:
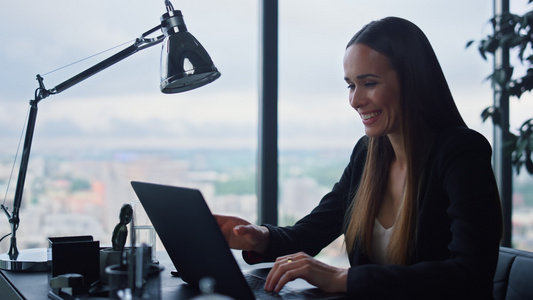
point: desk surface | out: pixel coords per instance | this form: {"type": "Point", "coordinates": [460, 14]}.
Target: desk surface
{"type": "Point", "coordinates": [32, 286]}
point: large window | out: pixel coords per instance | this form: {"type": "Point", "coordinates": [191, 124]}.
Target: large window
{"type": "Point", "coordinates": [96, 137]}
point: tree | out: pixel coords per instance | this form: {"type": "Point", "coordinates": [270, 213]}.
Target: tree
{"type": "Point", "coordinates": [514, 32]}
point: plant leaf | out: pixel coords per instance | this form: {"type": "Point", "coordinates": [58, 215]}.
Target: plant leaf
{"type": "Point", "coordinates": [487, 113]}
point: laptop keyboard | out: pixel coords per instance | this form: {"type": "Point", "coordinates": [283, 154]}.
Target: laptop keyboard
{"type": "Point", "coordinates": [257, 285]}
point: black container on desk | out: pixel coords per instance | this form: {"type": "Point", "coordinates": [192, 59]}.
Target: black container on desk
{"type": "Point", "coordinates": [75, 254]}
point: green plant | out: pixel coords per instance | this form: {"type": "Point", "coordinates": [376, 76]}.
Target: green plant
{"type": "Point", "coordinates": [515, 32]}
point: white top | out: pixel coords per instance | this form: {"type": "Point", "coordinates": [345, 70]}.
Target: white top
{"type": "Point", "coordinates": [380, 241]}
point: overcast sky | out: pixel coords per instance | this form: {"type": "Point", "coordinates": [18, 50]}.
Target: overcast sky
{"type": "Point", "coordinates": [123, 103]}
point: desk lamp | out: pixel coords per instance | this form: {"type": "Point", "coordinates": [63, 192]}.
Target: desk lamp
{"type": "Point", "coordinates": [185, 65]}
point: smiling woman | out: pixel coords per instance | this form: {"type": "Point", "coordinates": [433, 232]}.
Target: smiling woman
{"type": "Point", "coordinates": [416, 203]}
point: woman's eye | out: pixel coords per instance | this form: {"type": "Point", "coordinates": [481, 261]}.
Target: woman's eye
{"type": "Point", "coordinates": [370, 84]}
{"type": "Point", "coordinates": [351, 86]}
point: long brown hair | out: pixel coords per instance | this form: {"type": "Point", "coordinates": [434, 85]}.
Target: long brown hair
{"type": "Point", "coordinates": [426, 106]}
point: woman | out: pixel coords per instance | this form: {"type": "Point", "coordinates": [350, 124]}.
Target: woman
{"type": "Point", "coordinates": [418, 203]}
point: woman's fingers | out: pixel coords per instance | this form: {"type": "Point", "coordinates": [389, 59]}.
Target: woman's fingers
{"type": "Point", "coordinates": [301, 265]}
{"type": "Point", "coordinates": [255, 236]}
{"type": "Point", "coordinates": [284, 270]}
{"type": "Point", "coordinates": [229, 226]}
{"type": "Point", "coordinates": [242, 235]}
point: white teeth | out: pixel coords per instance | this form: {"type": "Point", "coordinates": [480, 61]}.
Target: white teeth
{"type": "Point", "coordinates": [370, 115]}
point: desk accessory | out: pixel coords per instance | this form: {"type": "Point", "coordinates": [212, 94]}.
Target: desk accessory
{"type": "Point", "coordinates": [144, 230]}
{"type": "Point", "coordinates": [74, 255]}
{"type": "Point", "coordinates": [117, 255]}
{"type": "Point", "coordinates": [71, 284]}
{"type": "Point", "coordinates": [185, 65]}
{"type": "Point", "coordinates": [136, 277]}
{"type": "Point", "coordinates": [139, 279]}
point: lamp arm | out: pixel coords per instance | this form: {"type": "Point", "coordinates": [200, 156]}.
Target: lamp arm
{"type": "Point", "coordinates": [14, 219]}
{"type": "Point", "coordinates": [139, 44]}
{"type": "Point", "coordinates": [40, 94]}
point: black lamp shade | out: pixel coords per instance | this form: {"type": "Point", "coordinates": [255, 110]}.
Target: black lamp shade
{"type": "Point", "coordinates": [185, 65]}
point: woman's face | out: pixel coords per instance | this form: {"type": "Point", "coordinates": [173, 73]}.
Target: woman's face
{"type": "Point", "coordinates": [374, 89]}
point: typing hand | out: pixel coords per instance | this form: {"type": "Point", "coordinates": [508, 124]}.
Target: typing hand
{"type": "Point", "coordinates": [300, 265]}
{"type": "Point", "coordinates": [242, 235]}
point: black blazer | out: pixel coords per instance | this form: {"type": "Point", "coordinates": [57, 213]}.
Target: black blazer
{"type": "Point", "coordinates": [458, 232]}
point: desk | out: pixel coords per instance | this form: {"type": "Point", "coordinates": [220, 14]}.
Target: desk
{"type": "Point", "coordinates": [34, 286]}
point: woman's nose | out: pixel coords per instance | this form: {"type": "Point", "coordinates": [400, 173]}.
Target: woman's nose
{"type": "Point", "coordinates": [354, 99]}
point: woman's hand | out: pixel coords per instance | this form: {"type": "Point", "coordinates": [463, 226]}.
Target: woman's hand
{"type": "Point", "coordinates": [300, 265]}
{"type": "Point", "coordinates": [242, 235]}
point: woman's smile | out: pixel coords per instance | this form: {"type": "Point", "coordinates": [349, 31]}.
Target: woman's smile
{"type": "Point", "coordinates": [370, 117]}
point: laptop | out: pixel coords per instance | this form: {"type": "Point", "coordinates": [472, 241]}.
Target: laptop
{"type": "Point", "coordinates": [198, 249]}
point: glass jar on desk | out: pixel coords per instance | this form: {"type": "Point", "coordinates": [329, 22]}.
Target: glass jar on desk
{"type": "Point", "coordinates": [143, 229]}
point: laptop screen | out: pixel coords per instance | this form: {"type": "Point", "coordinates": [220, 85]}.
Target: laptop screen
{"type": "Point", "coordinates": [192, 237]}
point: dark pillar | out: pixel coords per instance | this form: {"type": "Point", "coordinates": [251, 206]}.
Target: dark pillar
{"type": "Point", "coordinates": [501, 161]}
{"type": "Point", "coordinates": [267, 184]}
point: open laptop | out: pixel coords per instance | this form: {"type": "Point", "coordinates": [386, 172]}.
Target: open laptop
{"type": "Point", "coordinates": [198, 249]}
